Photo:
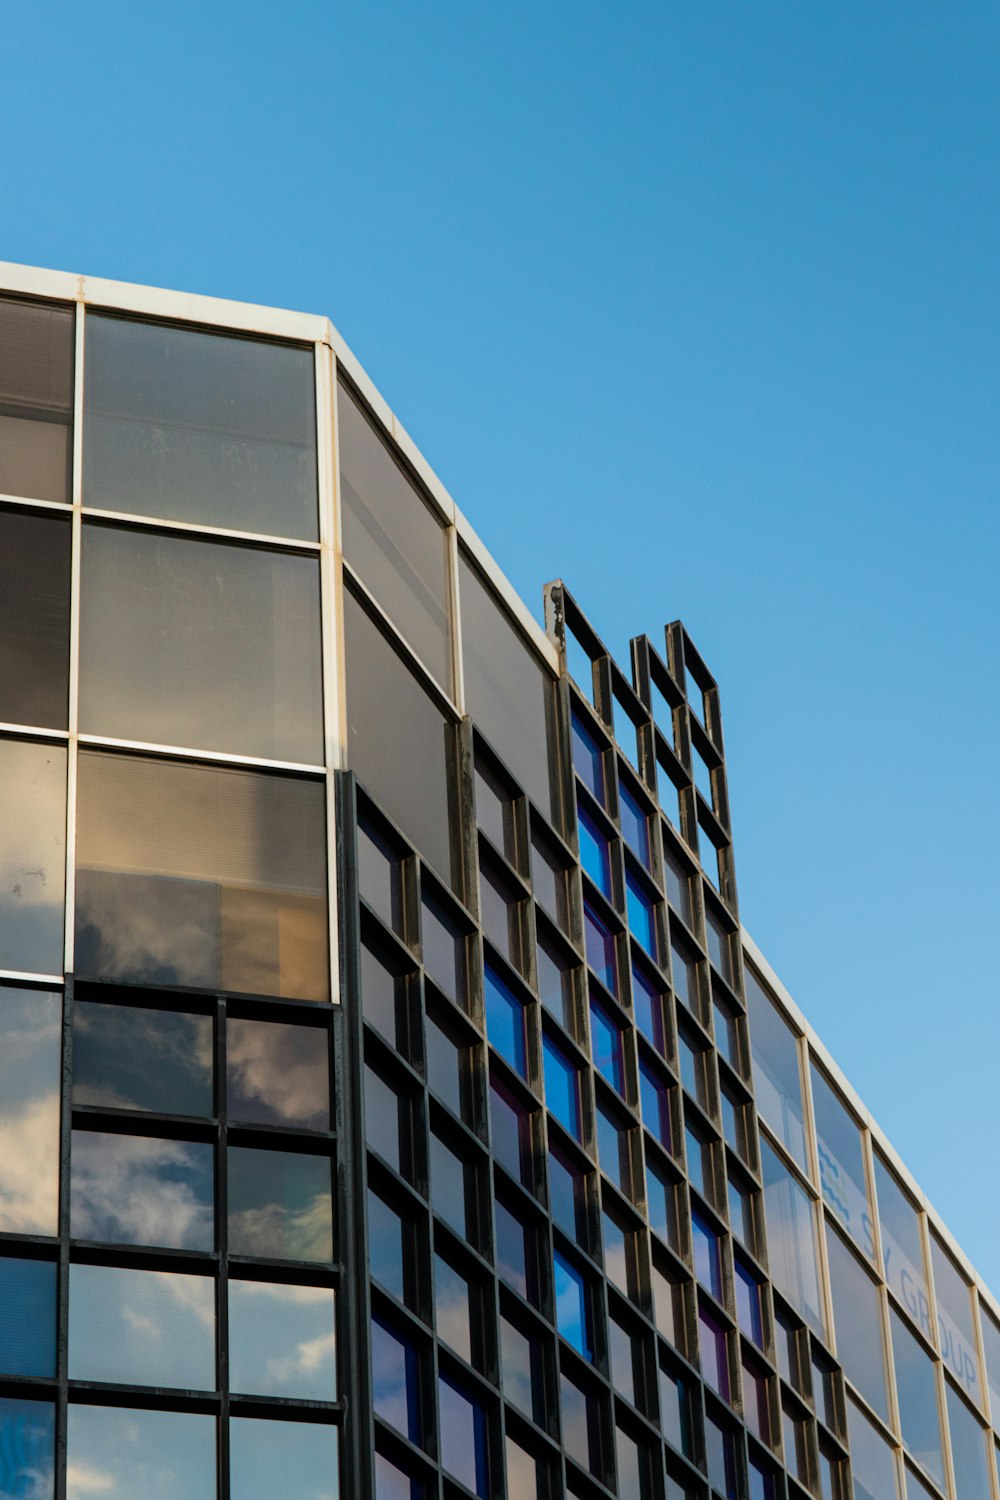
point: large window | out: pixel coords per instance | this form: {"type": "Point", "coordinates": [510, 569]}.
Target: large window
{"type": "Point", "coordinates": [36, 400]}
{"type": "Point", "coordinates": [397, 739]}
{"type": "Point", "coordinates": [777, 1083]}
{"type": "Point", "coordinates": [917, 1393]}
{"type": "Point", "coordinates": [197, 875]}
{"type": "Point", "coordinates": [392, 539]}
{"type": "Point", "coordinates": [507, 690]}
{"type": "Point", "coordinates": [841, 1164]}
{"type": "Point", "coordinates": [30, 1052]}
{"type": "Point", "coordinates": [34, 615]}
{"type": "Point", "coordinates": [32, 856]}
{"type": "Point", "coordinates": [791, 1237]}
{"type": "Point", "coordinates": [190, 642]}
{"type": "Point", "coordinates": [857, 1317]}
{"type": "Point", "coordinates": [202, 427]}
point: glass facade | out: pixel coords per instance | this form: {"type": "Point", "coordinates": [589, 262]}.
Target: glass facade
{"type": "Point", "coordinates": [391, 1103]}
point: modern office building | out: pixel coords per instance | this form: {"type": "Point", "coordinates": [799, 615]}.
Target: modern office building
{"type": "Point", "coordinates": [391, 1102]}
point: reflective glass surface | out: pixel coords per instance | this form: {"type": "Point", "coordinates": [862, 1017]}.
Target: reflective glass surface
{"type": "Point", "coordinates": [267, 1459]}
{"type": "Point", "coordinates": [640, 913]}
{"type": "Point", "coordinates": [567, 1200]}
{"type": "Point", "coordinates": [386, 1246]}
{"type": "Point", "coordinates": [137, 1190]}
{"type": "Point", "coordinates": [562, 1087]}
{"type": "Point", "coordinates": [655, 1101]}
{"type": "Point", "coordinates": [282, 1340]}
{"type": "Point", "coordinates": [510, 1133]}
{"type": "Point", "coordinates": [30, 1052]}
{"type": "Point", "coordinates": [635, 825]}
{"type": "Point", "coordinates": [507, 690]}
{"type": "Point", "coordinates": [595, 855]}
{"type": "Point", "coordinates": [279, 1205]}
{"type": "Point", "coordinates": [588, 758]}
{"type": "Point", "coordinates": [713, 1353]}
{"type": "Point", "coordinates": [27, 1318]}
{"type": "Point", "coordinates": [524, 1473]}
{"type": "Point", "coordinates": [196, 426]}
{"type": "Point", "coordinates": [511, 1250]}
{"type": "Point", "coordinates": [748, 1304]}
{"type": "Point", "coordinates": [505, 1023]}
{"type": "Point", "coordinates": [27, 1449]}
{"type": "Point", "coordinates": [34, 614]}
{"type": "Point", "coordinates": [395, 1380]}
{"type": "Point", "coordinates": [857, 1317]}
{"type": "Point", "coordinates": [678, 884]}
{"type": "Point", "coordinates": [968, 1449]}
{"type": "Point", "coordinates": [379, 877]}
{"type": "Point", "coordinates": [141, 1327]}
{"type": "Point", "coordinates": [278, 1074]}
{"type": "Point", "coordinates": [661, 1205]}
{"type": "Point", "coordinates": [902, 1250]}
{"type": "Point", "coordinates": [991, 1351]}
{"type": "Point", "coordinates": [517, 1359]}
{"type": "Point", "coordinates": [606, 1046]}
{"type": "Point", "coordinates": [841, 1165]}
{"type": "Point", "coordinates": [775, 1056]}
{"type": "Point", "coordinates": [622, 1359]}
{"type": "Point", "coordinates": [444, 1066]}
{"type": "Point", "coordinates": [600, 947]}
{"type": "Point", "coordinates": [36, 400]}
{"type": "Point", "coordinates": [571, 1306]}
{"type": "Point", "coordinates": [441, 945]}
{"type": "Point", "coordinates": [382, 1119]}
{"type": "Point", "coordinates": [32, 856]}
{"type": "Point", "coordinates": [201, 876]}
{"type": "Point", "coordinates": [647, 1006]}
{"type": "Point", "coordinates": [463, 1438]}
{"type": "Point", "coordinates": [954, 1310]}
{"type": "Point", "coordinates": [125, 1057]}
{"type": "Point", "coordinates": [121, 1453]}
{"type": "Point", "coordinates": [448, 1190]}
{"type": "Point", "coordinates": [452, 1315]}
{"type": "Point", "coordinates": [916, 1389]}
{"type": "Point", "coordinates": [407, 774]}
{"type": "Point", "coordinates": [872, 1465]}
{"type": "Point", "coordinates": [392, 539]}
{"type": "Point", "coordinates": [791, 1237]}
{"type": "Point", "coordinates": [149, 603]}
{"type": "Point", "coordinates": [707, 1256]}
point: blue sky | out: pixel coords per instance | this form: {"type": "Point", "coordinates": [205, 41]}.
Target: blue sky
{"type": "Point", "coordinates": [694, 305]}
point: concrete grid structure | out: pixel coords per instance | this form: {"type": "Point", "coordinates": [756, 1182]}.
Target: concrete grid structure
{"type": "Point", "coordinates": [391, 1101]}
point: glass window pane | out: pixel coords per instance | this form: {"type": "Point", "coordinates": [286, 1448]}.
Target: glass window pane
{"type": "Point", "coordinates": [463, 1438]}
{"type": "Point", "coordinates": [142, 1327]}
{"type": "Point", "coordinates": [954, 1310]}
{"type": "Point", "coordinates": [125, 1057]}
{"type": "Point", "coordinates": [137, 1190]}
{"type": "Point", "coordinates": [387, 1247]}
{"type": "Point", "coordinates": [606, 1046]}
{"type": "Point", "coordinates": [524, 1472]}
{"type": "Point", "coordinates": [991, 1349]}
{"type": "Point", "coordinates": [595, 854]}
{"type": "Point", "coordinates": [34, 615]}
{"type": "Point", "coordinates": [774, 1055]}
{"type": "Point", "coordinates": [512, 1261]}
{"type": "Point", "coordinates": [507, 690]}
{"type": "Point", "coordinates": [119, 1453]}
{"type": "Point", "coordinates": [505, 1024]}
{"type": "Point", "coordinates": [562, 1087]}
{"type": "Point", "coordinates": [678, 883]}
{"type": "Point", "coordinates": [748, 1305]}
{"type": "Point", "coordinates": [278, 1074]}
{"type": "Point", "coordinates": [36, 400]}
{"type": "Point", "coordinates": [452, 1309]}
{"type": "Point", "coordinates": [841, 1165]}
{"type": "Point", "coordinates": [872, 1463]}
{"type": "Point", "coordinates": [707, 1256]}
{"type": "Point", "coordinates": [27, 1448]}
{"type": "Point", "coordinates": [635, 825]}
{"type": "Point", "coordinates": [641, 915]}
{"type": "Point", "coordinates": [718, 940]}
{"type": "Point", "coordinates": [448, 1194]}
{"type": "Point", "coordinates": [383, 998]}
{"type": "Point", "coordinates": [282, 1340]}
{"type": "Point", "coordinates": [675, 1411]}
{"type": "Point", "coordinates": [202, 876]}
{"type": "Point", "coordinates": [612, 1149]}
{"type": "Point", "coordinates": [443, 1058]}
{"type": "Point", "coordinates": [968, 1449]}
{"type": "Point", "coordinates": [571, 1306]}
{"type": "Point", "coordinates": [395, 1380]}
{"type": "Point", "coordinates": [791, 1237]}
{"type": "Point", "coordinates": [282, 1458]}
{"type": "Point", "coordinates": [713, 1351]}
{"type": "Point", "coordinates": [32, 856]}
{"type": "Point", "coordinates": [202, 427]}
{"type": "Point", "coordinates": [280, 1205]}
{"type": "Point", "coordinates": [30, 1053]}
{"type": "Point", "coordinates": [857, 1317]}
{"type": "Point", "coordinates": [902, 1250]}
{"type": "Point", "coordinates": [379, 877]}
{"type": "Point", "coordinates": [600, 948]}
{"type": "Point", "coordinates": [392, 1484]}
{"type": "Point", "coordinates": [917, 1391]}
{"type": "Point", "coordinates": [567, 1196]}
{"type": "Point", "coordinates": [661, 1206]}
{"type": "Point", "coordinates": [442, 951]}
{"type": "Point", "coordinates": [647, 1005]}
{"type": "Point", "coordinates": [654, 1098]}
{"type": "Point", "coordinates": [510, 1134]}
{"type": "Point", "coordinates": [392, 539]}
{"type": "Point", "coordinates": [150, 603]}
{"type": "Point", "coordinates": [588, 758]}
{"type": "Point", "coordinates": [405, 772]}
{"type": "Point", "coordinates": [721, 1459]}
{"type": "Point", "coordinates": [27, 1319]}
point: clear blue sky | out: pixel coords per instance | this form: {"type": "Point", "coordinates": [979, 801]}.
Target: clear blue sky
{"type": "Point", "coordinates": [694, 304]}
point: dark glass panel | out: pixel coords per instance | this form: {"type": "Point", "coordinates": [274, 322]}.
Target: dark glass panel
{"type": "Point", "coordinates": [616, 1256]}
{"type": "Point", "coordinates": [641, 913]}
{"type": "Point", "coordinates": [622, 1356]}
{"type": "Point", "coordinates": [32, 856]}
{"type": "Point", "coordinates": [661, 1205]}
{"type": "Point", "coordinates": [137, 1190]}
{"type": "Point", "coordinates": [382, 1119]}
{"type": "Point", "coordinates": [721, 1459]}
{"type": "Point", "coordinates": [655, 1101]}
{"type": "Point", "coordinates": [444, 1066]}
{"type": "Point", "coordinates": [507, 690]}
{"type": "Point", "coordinates": [572, 1318]}
{"type": "Point", "coordinates": [719, 945]}
{"type": "Point", "coordinates": [387, 1258]}
{"type": "Point", "coordinates": [392, 539]}
{"type": "Point", "coordinates": [448, 1191]}
{"type": "Point", "coordinates": [647, 1006]}
{"type": "Point", "coordinates": [282, 1340]}
{"type": "Point", "coordinates": [382, 996]}
{"type": "Point", "coordinates": [27, 1318]}
{"type": "Point", "coordinates": [588, 759]}
{"type": "Point", "coordinates": [611, 1149]}
{"type": "Point", "coordinates": [379, 878]}
{"type": "Point", "coordinates": [555, 985]}
{"type": "Point", "coordinates": [34, 616]}
{"type": "Point", "coordinates": [675, 1411]}
{"type": "Point", "coordinates": [121, 1453]}
{"type": "Point", "coordinates": [712, 1345]}
{"type": "Point", "coordinates": [36, 400]}
{"type": "Point", "coordinates": [202, 427]}
{"type": "Point", "coordinates": [452, 1309]}
{"type": "Point", "coordinates": [267, 1459]}
{"type": "Point", "coordinates": [198, 875]}
{"type": "Point", "coordinates": [125, 1057]}
{"type": "Point", "coordinates": [635, 825]}
{"type": "Point", "coordinates": [142, 1327]}
{"type": "Point", "coordinates": [606, 1046]}
{"type": "Point", "coordinates": [505, 1023]}
{"type": "Point", "coordinates": [707, 1256]}
{"type": "Point", "coordinates": [392, 1484]}
{"type": "Point", "coordinates": [149, 607]}
{"type": "Point", "coordinates": [510, 1134]}
{"type": "Point", "coordinates": [27, 1449]}
{"type": "Point", "coordinates": [30, 1052]}
{"type": "Point", "coordinates": [397, 738]}
{"type": "Point", "coordinates": [442, 949]}
{"type": "Point", "coordinates": [519, 1360]}
{"type": "Point", "coordinates": [562, 1087]}
{"type": "Point", "coordinates": [495, 813]}
{"type": "Point", "coordinates": [748, 1305]}
{"type": "Point", "coordinates": [278, 1074]}
{"type": "Point", "coordinates": [678, 883]}
{"type": "Point", "coordinates": [279, 1205]}
{"type": "Point", "coordinates": [395, 1380]}
{"type": "Point", "coordinates": [463, 1438]}
{"type": "Point", "coordinates": [601, 948]}
{"type": "Point", "coordinates": [511, 1250]}
{"type": "Point", "coordinates": [548, 881]}
{"type": "Point", "coordinates": [567, 1199]}
{"type": "Point", "coordinates": [578, 1416]}
{"type": "Point", "coordinates": [595, 853]}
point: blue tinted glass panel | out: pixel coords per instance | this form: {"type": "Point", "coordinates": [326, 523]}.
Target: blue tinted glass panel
{"type": "Point", "coordinates": [748, 1305]}
{"type": "Point", "coordinates": [609, 1148]}
{"type": "Point", "coordinates": [721, 1459]}
{"type": "Point", "coordinates": [595, 857]}
{"type": "Point", "coordinates": [606, 1044]}
{"type": "Point", "coordinates": [283, 1458]}
{"type": "Point", "coordinates": [565, 1195]}
{"type": "Point", "coordinates": [27, 1449]}
{"type": "Point", "coordinates": [674, 1412]}
{"type": "Point", "coordinates": [131, 1453]}
{"type": "Point", "coordinates": [688, 1066]}
{"type": "Point", "coordinates": [511, 1257]}
{"type": "Point", "coordinates": [635, 825]}
{"type": "Point", "coordinates": [134, 1190]}
{"type": "Point", "coordinates": [571, 1306]}
{"type": "Point", "coordinates": [562, 1088]}
{"type": "Point", "coordinates": [27, 1318]}
{"type": "Point", "coordinates": [385, 1245]}
{"type": "Point", "coordinates": [712, 1346]}
{"type": "Point", "coordinates": [587, 759]}
{"type": "Point", "coordinates": [505, 1023]}
{"type": "Point", "coordinates": [661, 1201]}
{"type": "Point", "coordinates": [463, 1438]}
{"type": "Point", "coordinates": [655, 1103]}
{"type": "Point", "coordinates": [647, 1006]}
{"type": "Point", "coordinates": [510, 1133]}
{"type": "Point", "coordinates": [705, 1249]}
{"type": "Point", "coordinates": [694, 1147]}
{"type": "Point", "coordinates": [448, 1186]}
{"type": "Point", "coordinates": [600, 947]}
{"type": "Point", "coordinates": [640, 914]}
{"type": "Point", "coordinates": [395, 1381]}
